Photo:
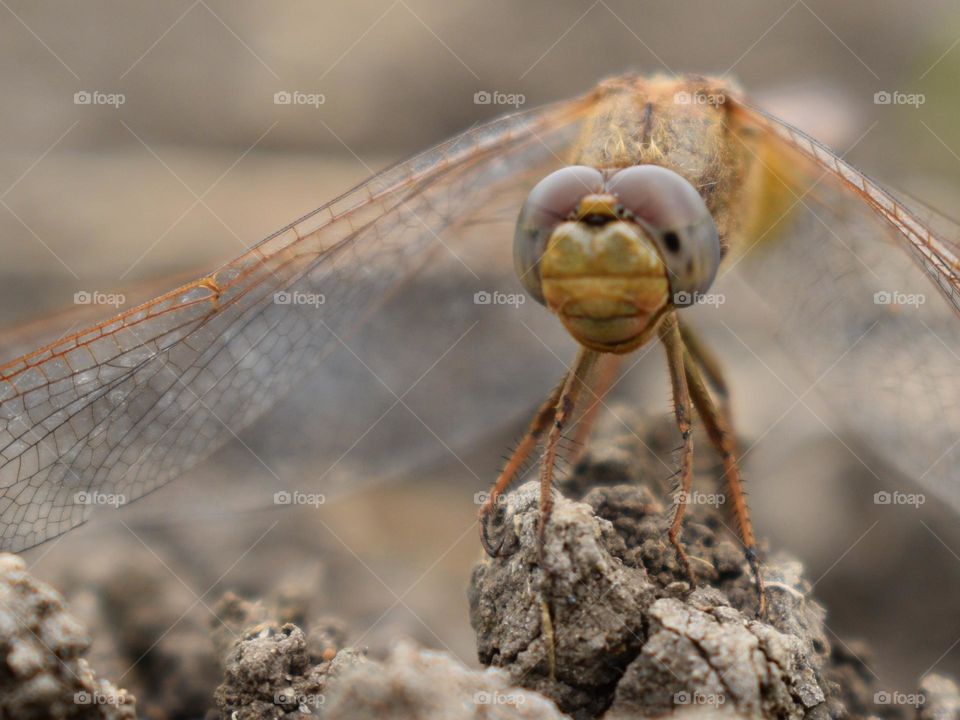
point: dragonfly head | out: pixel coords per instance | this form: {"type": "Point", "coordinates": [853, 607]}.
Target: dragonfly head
{"type": "Point", "coordinates": [611, 252]}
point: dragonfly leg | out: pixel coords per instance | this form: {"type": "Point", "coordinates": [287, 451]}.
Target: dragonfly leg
{"type": "Point", "coordinates": [609, 366]}
{"type": "Point", "coordinates": [716, 419]}
{"type": "Point", "coordinates": [539, 424]}
{"type": "Point", "coordinates": [570, 392]}
{"type": "Point", "coordinates": [673, 343]}
{"type": "Point", "coordinates": [557, 408]}
{"type": "Point", "coordinates": [573, 385]}
{"type": "Point", "coordinates": [708, 363]}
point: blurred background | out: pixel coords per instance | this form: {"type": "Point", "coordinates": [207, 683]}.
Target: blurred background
{"type": "Point", "coordinates": [142, 141]}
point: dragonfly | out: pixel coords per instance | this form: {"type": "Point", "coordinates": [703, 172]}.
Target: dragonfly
{"type": "Point", "coordinates": [626, 205]}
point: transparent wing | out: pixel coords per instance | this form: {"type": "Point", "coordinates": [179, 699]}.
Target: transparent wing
{"type": "Point", "coordinates": [865, 291]}
{"type": "Point", "coordinates": [126, 405]}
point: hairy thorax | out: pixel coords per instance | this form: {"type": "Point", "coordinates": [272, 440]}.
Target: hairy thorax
{"type": "Point", "coordinates": [677, 123]}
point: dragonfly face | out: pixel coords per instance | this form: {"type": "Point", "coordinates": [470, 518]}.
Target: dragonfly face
{"type": "Point", "coordinates": [610, 253]}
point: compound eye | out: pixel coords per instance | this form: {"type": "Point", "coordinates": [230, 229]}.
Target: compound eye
{"type": "Point", "coordinates": [552, 201]}
{"type": "Point", "coordinates": [674, 214]}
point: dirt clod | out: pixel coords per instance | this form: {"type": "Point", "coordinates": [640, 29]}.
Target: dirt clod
{"type": "Point", "coordinates": [597, 604]}
{"type": "Point", "coordinates": [268, 674]}
{"type": "Point", "coordinates": [278, 671]}
{"type": "Point", "coordinates": [628, 634]}
{"type": "Point", "coordinates": [941, 699]}
{"type": "Point", "coordinates": [630, 637]}
{"type": "Point", "coordinates": [275, 669]}
{"type": "Point", "coordinates": [44, 674]}
{"type": "Point", "coordinates": [414, 683]}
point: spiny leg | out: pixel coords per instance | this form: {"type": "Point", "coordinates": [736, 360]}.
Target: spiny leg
{"type": "Point", "coordinates": [707, 362]}
{"type": "Point", "coordinates": [566, 404]}
{"type": "Point", "coordinates": [609, 366]}
{"type": "Point", "coordinates": [673, 343]}
{"type": "Point", "coordinates": [541, 420]}
{"type": "Point", "coordinates": [717, 422]}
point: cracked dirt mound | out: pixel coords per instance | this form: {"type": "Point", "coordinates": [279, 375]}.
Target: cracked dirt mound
{"type": "Point", "coordinates": [631, 638]}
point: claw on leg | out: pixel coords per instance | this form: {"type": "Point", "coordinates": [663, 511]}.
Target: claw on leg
{"type": "Point", "coordinates": [530, 439]}
{"type": "Point", "coordinates": [487, 517]}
